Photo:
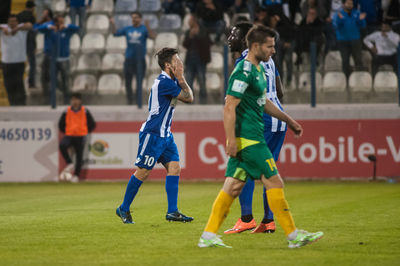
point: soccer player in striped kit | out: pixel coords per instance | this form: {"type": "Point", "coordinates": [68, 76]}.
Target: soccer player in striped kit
{"type": "Point", "coordinates": [156, 142]}
{"type": "Point", "coordinates": [274, 134]}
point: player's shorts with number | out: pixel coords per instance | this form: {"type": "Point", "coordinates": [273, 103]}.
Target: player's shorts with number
{"type": "Point", "coordinates": [153, 148]}
{"type": "Point", "coordinates": [252, 162]}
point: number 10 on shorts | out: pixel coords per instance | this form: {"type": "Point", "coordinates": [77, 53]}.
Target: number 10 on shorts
{"type": "Point", "coordinates": [148, 160]}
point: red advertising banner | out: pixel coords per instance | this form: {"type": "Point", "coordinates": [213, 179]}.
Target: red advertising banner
{"type": "Point", "coordinates": [328, 149]}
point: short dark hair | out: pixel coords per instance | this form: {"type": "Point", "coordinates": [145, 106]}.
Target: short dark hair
{"type": "Point", "coordinates": [165, 56]}
{"type": "Point", "coordinates": [244, 28]}
{"type": "Point", "coordinates": [258, 34]}
{"type": "Point", "coordinates": [137, 13]}
{"type": "Point", "coordinates": [51, 15]}
{"type": "Point", "coordinates": [343, 1]}
{"type": "Point", "coordinates": [30, 4]}
{"type": "Point", "coordinates": [76, 95]}
{"type": "Point", "coordinates": [13, 16]}
{"type": "Point", "coordinates": [387, 21]}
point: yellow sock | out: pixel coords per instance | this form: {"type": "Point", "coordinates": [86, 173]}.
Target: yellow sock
{"type": "Point", "coordinates": [279, 206]}
{"type": "Point", "coordinates": [219, 211]}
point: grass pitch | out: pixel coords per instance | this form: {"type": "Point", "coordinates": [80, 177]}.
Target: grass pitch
{"type": "Point", "coordinates": [75, 224]}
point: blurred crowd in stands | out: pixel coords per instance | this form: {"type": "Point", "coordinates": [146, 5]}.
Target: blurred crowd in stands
{"type": "Point", "coordinates": [350, 27]}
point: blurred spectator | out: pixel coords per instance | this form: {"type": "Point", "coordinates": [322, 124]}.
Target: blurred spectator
{"type": "Point", "coordinates": [261, 16]}
{"type": "Point", "coordinates": [277, 7]}
{"type": "Point", "coordinates": [41, 5]}
{"type": "Point", "coordinates": [373, 9]}
{"type": "Point", "coordinates": [348, 23]}
{"type": "Point", "coordinates": [135, 63]}
{"type": "Point", "coordinates": [173, 7]}
{"type": "Point", "coordinates": [46, 17]}
{"type": "Point", "coordinates": [383, 46]}
{"type": "Point", "coordinates": [211, 17]}
{"type": "Point", "coordinates": [23, 17]}
{"type": "Point", "coordinates": [13, 57]}
{"type": "Point", "coordinates": [284, 45]}
{"type": "Point", "coordinates": [57, 40]}
{"type": "Point", "coordinates": [76, 123]}
{"type": "Point", "coordinates": [78, 8]}
{"type": "Point", "coordinates": [310, 30]}
{"type": "Point", "coordinates": [323, 8]}
{"type": "Point", "coordinates": [198, 55]}
{"type": "Point", "coordinates": [294, 7]}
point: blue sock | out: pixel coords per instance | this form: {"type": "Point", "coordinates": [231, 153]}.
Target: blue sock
{"type": "Point", "coordinates": [171, 186]}
{"type": "Point", "coordinates": [131, 191]}
{"type": "Point", "coordinates": [246, 198]}
{"type": "Point", "coordinates": [268, 215]}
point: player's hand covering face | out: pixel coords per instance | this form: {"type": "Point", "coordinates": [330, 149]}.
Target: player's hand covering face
{"type": "Point", "coordinates": [176, 66]}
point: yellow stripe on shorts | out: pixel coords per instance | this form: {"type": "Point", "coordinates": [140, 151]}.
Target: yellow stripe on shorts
{"type": "Point", "coordinates": [243, 143]}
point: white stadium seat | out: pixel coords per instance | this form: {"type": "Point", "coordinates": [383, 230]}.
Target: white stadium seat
{"type": "Point", "coordinates": [385, 81]}
{"type": "Point", "coordinates": [170, 22]}
{"type": "Point", "coordinates": [97, 23]}
{"type": "Point", "coordinates": [150, 46]}
{"type": "Point", "coordinates": [153, 66]}
{"type": "Point", "coordinates": [149, 5]}
{"type": "Point", "coordinates": [93, 42]}
{"type": "Point", "coordinates": [360, 81]}
{"type": "Point", "coordinates": [334, 81]}
{"type": "Point", "coordinates": [333, 61]}
{"type": "Point", "coordinates": [73, 62]}
{"type": "Point", "coordinates": [110, 84]}
{"type": "Point", "coordinates": [217, 62]}
{"type": "Point", "coordinates": [84, 83]}
{"type": "Point", "coordinates": [75, 43]}
{"type": "Point", "coordinates": [115, 44]}
{"type": "Point", "coordinates": [150, 81]}
{"type": "Point", "coordinates": [305, 81]}
{"type": "Point", "coordinates": [185, 23]}
{"type": "Point", "coordinates": [58, 6]}
{"type": "Point", "coordinates": [88, 62]}
{"type": "Point", "coordinates": [166, 39]}
{"type": "Point", "coordinates": [112, 62]}
{"type": "Point", "coordinates": [152, 19]}
{"type": "Point", "coordinates": [125, 6]}
{"type": "Point", "coordinates": [102, 6]}
{"type": "Point", "coordinates": [122, 21]}
{"type": "Point", "coordinates": [39, 43]}
{"type": "Point", "coordinates": [213, 81]}
{"type": "Point", "coordinates": [67, 20]}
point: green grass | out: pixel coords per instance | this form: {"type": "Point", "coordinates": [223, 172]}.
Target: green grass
{"type": "Point", "coordinates": [75, 224]}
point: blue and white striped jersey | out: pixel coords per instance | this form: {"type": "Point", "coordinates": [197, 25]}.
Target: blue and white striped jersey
{"type": "Point", "coordinates": [162, 101]}
{"type": "Point", "coordinates": [271, 73]}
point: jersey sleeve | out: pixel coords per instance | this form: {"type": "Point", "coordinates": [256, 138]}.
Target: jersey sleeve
{"type": "Point", "coordinates": [120, 32]}
{"type": "Point", "coordinates": [238, 83]}
{"type": "Point", "coordinates": [169, 87]}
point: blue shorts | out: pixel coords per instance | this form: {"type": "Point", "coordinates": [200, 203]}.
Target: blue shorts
{"type": "Point", "coordinates": [274, 141]}
{"type": "Point", "coordinates": [153, 148]}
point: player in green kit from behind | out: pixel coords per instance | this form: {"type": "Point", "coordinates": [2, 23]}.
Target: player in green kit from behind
{"type": "Point", "coordinates": [250, 157]}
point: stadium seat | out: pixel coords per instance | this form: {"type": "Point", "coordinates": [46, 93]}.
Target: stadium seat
{"type": "Point", "coordinates": [75, 43]}
{"type": "Point", "coordinates": [122, 21]}
{"type": "Point", "coordinates": [73, 62]}
{"type": "Point", "coordinates": [150, 46]}
{"type": "Point", "coordinates": [39, 43]}
{"type": "Point", "coordinates": [170, 22]}
{"type": "Point", "coordinates": [305, 81]}
{"type": "Point", "coordinates": [213, 81]}
{"type": "Point", "coordinates": [334, 81]}
{"type": "Point", "coordinates": [227, 20]}
{"type": "Point", "coordinates": [115, 44]}
{"type": "Point", "coordinates": [84, 83]}
{"type": "Point", "coordinates": [185, 22]}
{"type": "Point", "coordinates": [93, 42]}
{"type": "Point", "coordinates": [385, 68]}
{"type": "Point", "coordinates": [385, 81]}
{"type": "Point", "coordinates": [166, 39]}
{"type": "Point", "coordinates": [366, 59]}
{"type": "Point", "coordinates": [97, 23]}
{"type": "Point", "coordinates": [58, 6]}
{"type": "Point", "coordinates": [217, 62]}
{"type": "Point", "coordinates": [89, 62]}
{"type": "Point", "coordinates": [152, 64]}
{"type": "Point", "coordinates": [68, 20]}
{"type": "Point", "coordinates": [103, 6]}
{"type": "Point", "coordinates": [112, 62]}
{"type": "Point", "coordinates": [149, 5]}
{"type": "Point", "coordinates": [110, 84]}
{"type": "Point", "coordinates": [124, 6]}
{"type": "Point", "coordinates": [333, 61]}
{"type": "Point", "coordinates": [152, 19]}
{"type": "Point", "coordinates": [360, 81]}
{"type": "Point", "coordinates": [150, 81]}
